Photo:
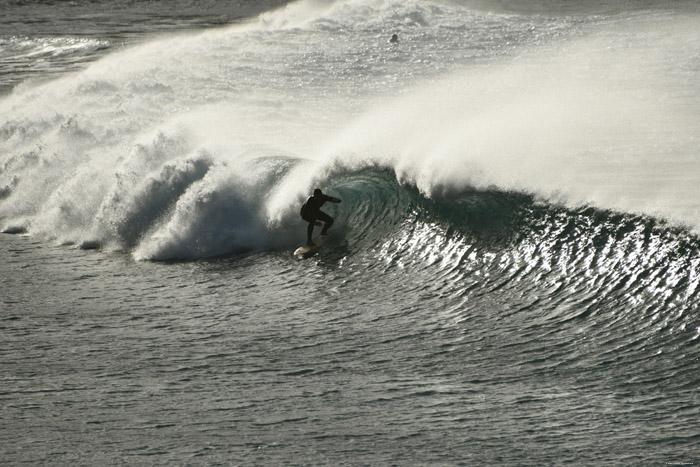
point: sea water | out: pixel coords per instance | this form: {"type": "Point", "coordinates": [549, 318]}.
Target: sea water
{"type": "Point", "coordinates": [512, 277]}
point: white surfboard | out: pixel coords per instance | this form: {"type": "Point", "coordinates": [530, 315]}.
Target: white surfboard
{"type": "Point", "coordinates": [306, 251]}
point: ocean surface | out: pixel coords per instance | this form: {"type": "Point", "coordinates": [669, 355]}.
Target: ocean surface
{"type": "Point", "coordinates": [513, 276]}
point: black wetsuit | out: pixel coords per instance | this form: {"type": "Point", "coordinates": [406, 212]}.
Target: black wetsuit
{"type": "Point", "coordinates": [311, 213]}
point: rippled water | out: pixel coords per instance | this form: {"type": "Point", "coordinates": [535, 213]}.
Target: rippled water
{"type": "Point", "coordinates": [388, 355]}
{"type": "Point", "coordinates": [41, 39]}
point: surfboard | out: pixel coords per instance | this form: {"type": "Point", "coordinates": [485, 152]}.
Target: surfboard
{"type": "Point", "coordinates": [306, 251]}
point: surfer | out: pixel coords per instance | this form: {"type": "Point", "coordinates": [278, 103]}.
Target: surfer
{"type": "Point", "coordinates": [394, 39]}
{"type": "Point", "coordinates": [311, 213]}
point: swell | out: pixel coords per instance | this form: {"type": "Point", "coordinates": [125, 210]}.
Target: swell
{"type": "Point", "coordinates": [629, 283]}
{"type": "Point", "coordinates": [612, 250]}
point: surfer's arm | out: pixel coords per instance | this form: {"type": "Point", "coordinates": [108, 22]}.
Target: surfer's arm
{"type": "Point", "coordinates": [332, 199]}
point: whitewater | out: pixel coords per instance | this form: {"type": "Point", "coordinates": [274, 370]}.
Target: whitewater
{"type": "Point", "coordinates": [512, 277]}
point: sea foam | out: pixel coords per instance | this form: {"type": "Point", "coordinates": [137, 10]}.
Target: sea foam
{"type": "Point", "coordinates": [150, 149]}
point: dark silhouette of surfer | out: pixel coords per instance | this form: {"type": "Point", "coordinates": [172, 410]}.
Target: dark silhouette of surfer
{"type": "Point", "coordinates": [311, 213]}
{"type": "Point", "coordinates": [394, 39]}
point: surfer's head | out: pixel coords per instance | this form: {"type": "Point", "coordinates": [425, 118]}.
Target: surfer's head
{"type": "Point", "coordinates": [318, 192]}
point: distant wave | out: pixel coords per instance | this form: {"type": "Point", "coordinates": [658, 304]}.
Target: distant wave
{"type": "Point", "coordinates": [39, 57]}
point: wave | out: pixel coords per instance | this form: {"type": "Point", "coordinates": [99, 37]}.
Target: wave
{"type": "Point", "coordinates": [628, 282]}
{"type": "Point", "coordinates": [26, 57]}
{"type": "Point", "coordinates": [379, 211]}
{"type": "Point", "coordinates": [163, 149]}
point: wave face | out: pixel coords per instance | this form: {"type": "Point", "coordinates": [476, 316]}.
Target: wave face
{"type": "Point", "coordinates": [205, 144]}
{"type": "Point", "coordinates": [611, 273]}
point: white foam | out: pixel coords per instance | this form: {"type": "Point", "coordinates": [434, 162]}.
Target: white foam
{"type": "Point", "coordinates": [594, 112]}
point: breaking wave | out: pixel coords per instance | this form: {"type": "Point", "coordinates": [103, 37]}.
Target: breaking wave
{"type": "Point", "coordinates": [165, 149]}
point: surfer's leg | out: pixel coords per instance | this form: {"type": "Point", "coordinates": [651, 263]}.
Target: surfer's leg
{"type": "Point", "coordinates": [309, 233]}
{"type": "Point", "coordinates": [327, 222]}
